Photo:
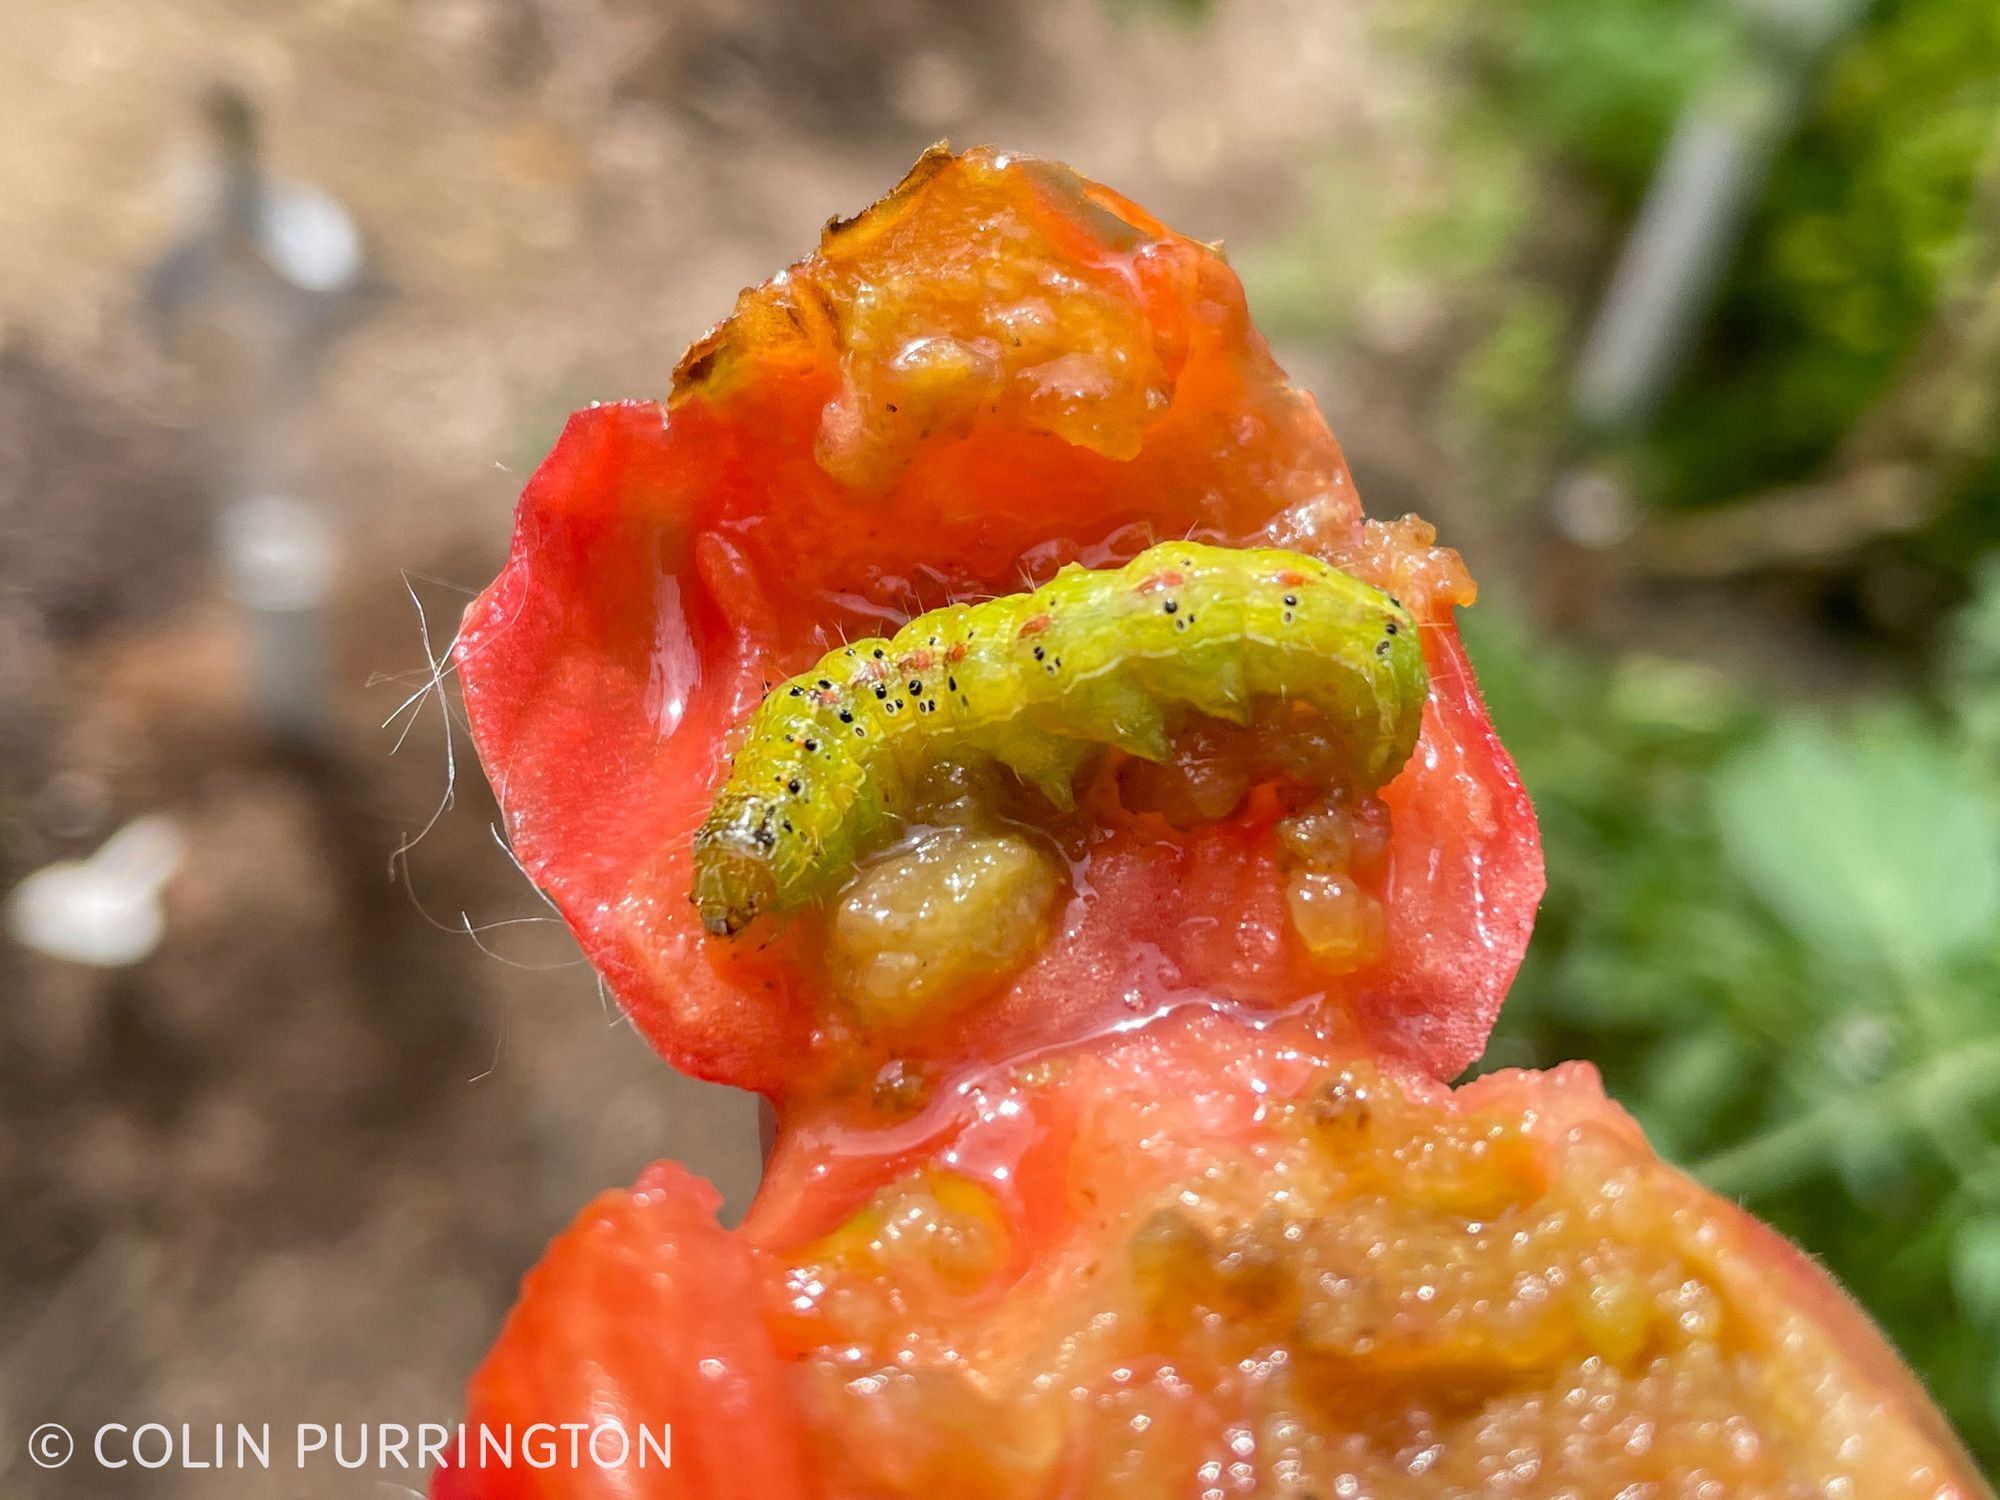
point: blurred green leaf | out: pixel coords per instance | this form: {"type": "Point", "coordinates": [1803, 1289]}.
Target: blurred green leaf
{"type": "Point", "coordinates": [1696, 1076]}
{"type": "Point", "coordinates": [1975, 1269]}
{"type": "Point", "coordinates": [1972, 665]}
{"type": "Point", "coordinates": [1658, 691]}
{"type": "Point", "coordinates": [1873, 850]}
{"type": "Point", "coordinates": [1871, 1155]}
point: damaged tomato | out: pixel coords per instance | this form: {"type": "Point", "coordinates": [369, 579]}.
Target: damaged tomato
{"type": "Point", "coordinates": [998, 369]}
{"type": "Point", "coordinates": [1198, 1260]}
{"type": "Point", "coordinates": [1117, 1153]}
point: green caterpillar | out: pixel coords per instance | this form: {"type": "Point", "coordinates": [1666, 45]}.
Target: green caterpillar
{"type": "Point", "coordinates": [1039, 682]}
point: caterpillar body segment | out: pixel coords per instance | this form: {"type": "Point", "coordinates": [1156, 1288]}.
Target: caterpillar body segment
{"type": "Point", "coordinates": [1039, 682]}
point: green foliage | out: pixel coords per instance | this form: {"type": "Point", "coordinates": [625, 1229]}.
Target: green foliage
{"type": "Point", "coordinates": [1499, 404]}
{"type": "Point", "coordinates": [1972, 666]}
{"type": "Point", "coordinates": [1975, 1270]}
{"type": "Point", "coordinates": [1874, 849]}
{"type": "Point", "coordinates": [1549, 122]}
{"type": "Point", "coordinates": [1595, 83]}
{"type": "Point", "coordinates": [1779, 937]}
{"type": "Point", "coordinates": [1859, 233]}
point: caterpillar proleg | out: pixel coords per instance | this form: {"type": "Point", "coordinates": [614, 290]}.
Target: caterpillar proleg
{"type": "Point", "coordinates": [1040, 682]}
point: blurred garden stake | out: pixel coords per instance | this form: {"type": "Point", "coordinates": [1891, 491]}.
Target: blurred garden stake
{"type": "Point", "coordinates": [1917, 446]}
{"type": "Point", "coordinates": [251, 300]}
{"type": "Point", "coordinates": [278, 561]}
{"type": "Point", "coordinates": [256, 290]}
{"type": "Point", "coordinates": [1706, 184]}
{"type": "Point", "coordinates": [105, 910]}
{"type": "Point", "coordinates": [1666, 277]}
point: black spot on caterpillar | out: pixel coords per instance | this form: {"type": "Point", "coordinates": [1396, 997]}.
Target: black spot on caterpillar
{"type": "Point", "coordinates": [1274, 626]}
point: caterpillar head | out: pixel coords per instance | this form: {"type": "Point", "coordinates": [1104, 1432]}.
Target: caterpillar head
{"type": "Point", "coordinates": [733, 875]}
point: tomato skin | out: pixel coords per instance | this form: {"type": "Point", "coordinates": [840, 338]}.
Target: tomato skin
{"type": "Point", "coordinates": [1468, 868]}
{"type": "Point", "coordinates": [642, 1313]}
{"type": "Point", "coordinates": [801, 483]}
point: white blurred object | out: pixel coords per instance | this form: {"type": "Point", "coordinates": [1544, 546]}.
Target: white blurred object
{"type": "Point", "coordinates": [1593, 509]}
{"type": "Point", "coordinates": [308, 238]}
{"type": "Point", "coordinates": [278, 566]}
{"type": "Point", "coordinates": [277, 554]}
{"type": "Point", "coordinates": [104, 910]}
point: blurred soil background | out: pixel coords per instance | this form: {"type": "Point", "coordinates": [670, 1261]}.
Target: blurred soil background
{"type": "Point", "coordinates": [1741, 625]}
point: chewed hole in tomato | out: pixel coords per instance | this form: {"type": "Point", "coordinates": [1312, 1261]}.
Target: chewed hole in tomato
{"type": "Point", "coordinates": [1332, 847]}
{"type": "Point", "coordinates": [936, 1234]}
{"type": "Point", "coordinates": [1451, 1282]}
{"type": "Point", "coordinates": [973, 890]}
